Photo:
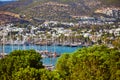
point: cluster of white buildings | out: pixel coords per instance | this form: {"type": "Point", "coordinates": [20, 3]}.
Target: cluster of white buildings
{"type": "Point", "coordinates": [96, 21]}
{"type": "Point", "coordinates": [113, 12]}
{"type": "Point", "coordinates": [108, 16]}
{"type": "Point", "coordinates": [51, 29]}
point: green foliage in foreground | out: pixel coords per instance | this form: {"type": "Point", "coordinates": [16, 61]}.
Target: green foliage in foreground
{"type": "Point", "coordinates": [93, 63]}
{"type": "Point", "coordinates": [20, 63]}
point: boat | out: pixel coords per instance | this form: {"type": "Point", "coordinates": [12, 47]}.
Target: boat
{"type": "Point", "coordinates": [49, 67]}
{"type": "Point", "coordinates": [47, 54]}
{"type": "Point", "coordinates": [75, 44]}
{"type": "Point", "coordinates": [3, 54]}
{"type": "Point", "coordinates": [66, 44]}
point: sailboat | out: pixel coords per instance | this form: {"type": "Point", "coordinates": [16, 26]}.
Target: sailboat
{"type": "Point", "coordinates": [3, 54]}
{"type": "Point", "coordinates": [54, 52]}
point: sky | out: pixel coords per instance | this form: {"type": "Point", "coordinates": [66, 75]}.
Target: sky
{"type": "Point", "coordinates": [7, 0]}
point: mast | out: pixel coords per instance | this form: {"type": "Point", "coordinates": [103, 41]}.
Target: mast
{"type": "Point", "coordinates": [18, 44]}
{"type": "Point", "coordinates": [46, 43]}
{"type": "Point", "coordinates": [54, 45]}
{"type": "Point", "coordinates": [3, 44]}
{"type": "Point", "coordinates": [11, 41]}
{"type": "Point", "coordinates": [24, 47]}
{"type": "Point", "coordinates": [32, 43]}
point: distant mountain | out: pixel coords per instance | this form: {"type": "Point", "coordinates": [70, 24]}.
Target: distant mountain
{"type": "Point", "coordinates": [5, 2]}
{"type": "Point", "coordinates": [61, 10]}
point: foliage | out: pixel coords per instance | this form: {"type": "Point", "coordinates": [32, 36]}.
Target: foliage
{"type": "Point", "coordinates": [93, 63]}
{"type": "Point", "coordinates": [18, 60]}
{"type": "Point", "coordinates": [111, 2]}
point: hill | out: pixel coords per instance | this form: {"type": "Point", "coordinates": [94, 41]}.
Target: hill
{"type": "Point", "coordinates": [60, 10]}
{"type": "Point", "coordinates": [8, 17]}
{"type": "Point", "coordinates": [4, 2]}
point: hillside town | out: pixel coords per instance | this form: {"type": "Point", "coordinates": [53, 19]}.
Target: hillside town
{"type": "Point", "coordinates": [86, 31]}
{"type": "Point", "coordinates": [83, 33]}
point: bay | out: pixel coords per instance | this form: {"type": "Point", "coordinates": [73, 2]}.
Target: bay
{"type": "Point", "coordinates": [46, 61]}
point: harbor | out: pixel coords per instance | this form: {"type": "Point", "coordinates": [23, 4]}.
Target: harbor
{"type": "Point", "coordinates": [47, 60]}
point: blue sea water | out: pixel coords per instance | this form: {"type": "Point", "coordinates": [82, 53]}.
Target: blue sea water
{"type": "Point", "coordinates": [46, 61]}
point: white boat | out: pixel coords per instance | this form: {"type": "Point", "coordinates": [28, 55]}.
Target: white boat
{"type": "Point", "coordinates": [75, 44]}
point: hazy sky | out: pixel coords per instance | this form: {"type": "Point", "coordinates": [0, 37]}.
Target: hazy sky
{"type": "Point", "coordinates": [7, 0]}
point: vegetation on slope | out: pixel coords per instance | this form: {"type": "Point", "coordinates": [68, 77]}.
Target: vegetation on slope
{"type": "Point", "coordinates": [60, 10]}
{"type": "Point", "coordinates": [111, 2]}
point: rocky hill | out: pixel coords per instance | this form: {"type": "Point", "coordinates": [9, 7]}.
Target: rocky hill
{"type": "Point", "coordinates": [8, 17]}
{"type": "Point", "coordinates": [61, 10]}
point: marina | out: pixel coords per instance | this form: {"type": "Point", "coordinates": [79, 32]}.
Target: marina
{"type": "Point", "coordinates": [47, 60]}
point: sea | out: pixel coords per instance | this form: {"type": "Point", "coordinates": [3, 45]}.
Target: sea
{"type": "Point", "coordinates": [46, 61]}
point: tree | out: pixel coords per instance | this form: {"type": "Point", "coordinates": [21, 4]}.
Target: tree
{"type": "Point", "coordinates": [62, 64]}
{"type": "Point", "coordinates": [27, 74]}
{"type": "Point", "coordinates": [93, 63]}
{"type": "Point", "coordinates": [17, 60]}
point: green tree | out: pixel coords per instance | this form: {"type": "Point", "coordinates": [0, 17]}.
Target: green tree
{"type": "Point", "coordinates": [93, 63]}
{"type": "Point", "coordinates": [62, 64]}
{"type": "Point", "coordinates": [27, 74]}
{"type": "Point", "coordinates": [19, 59]}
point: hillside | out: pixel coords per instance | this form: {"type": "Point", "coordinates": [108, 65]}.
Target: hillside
{"type": "Point", "coordinates": [61, 10]}
{"type": "Point", "coordinates": [8, 17]}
